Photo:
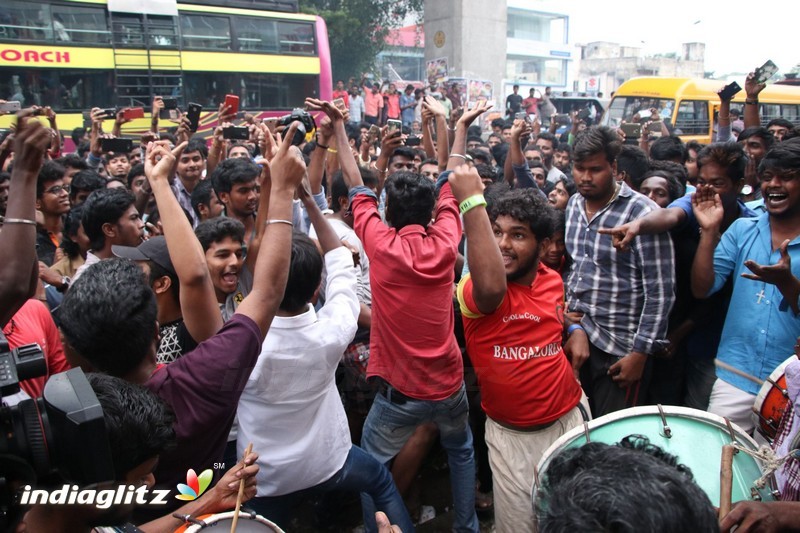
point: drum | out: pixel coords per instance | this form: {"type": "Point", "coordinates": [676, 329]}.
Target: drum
{"type": "Point", "coordinates": [249, 522]}
{"type": "Point", "coordinates": [771, 401]}
{"type": "Point", "coordinates": [695, 437]}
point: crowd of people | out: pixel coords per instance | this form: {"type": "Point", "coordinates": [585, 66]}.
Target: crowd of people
{"type": "Point", "coordinates": [346, 301]}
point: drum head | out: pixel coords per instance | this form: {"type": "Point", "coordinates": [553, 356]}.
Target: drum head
{"type": "Point", "coordinates": [696, 438]}
{"type": "Point", "coordinates": [771, 402]}
{"type": "Point", "coordinates": [249, 522]}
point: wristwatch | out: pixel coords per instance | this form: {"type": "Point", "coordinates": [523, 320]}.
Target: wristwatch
{"type": "Point", "coordinates": [65, 283]}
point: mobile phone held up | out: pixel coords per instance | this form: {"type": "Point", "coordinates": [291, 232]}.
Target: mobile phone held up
{"type": "Point", "coordinates": [193, 114]}
{"type": "Point", "coordinates": [765, 72]}
{"type": "Point", "coordinates": [232, 103]}
{"type": "Point", "coordinates": [117, 146]}
{"type": "Point", "coordinates": [133, 112]}
{"type": "Point", "coordinates": [10, 107]}
{"type": "Point", "coordinates": [631, 130]}
{"type": "Point", "coordinates": [729, 91]}
{"type": "Point", "coordinates": [237, 133]}
{"type": "Point", "coordinates": [393, 126]}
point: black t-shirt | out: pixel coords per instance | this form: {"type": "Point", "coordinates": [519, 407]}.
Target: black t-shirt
{"type": "Point", "coordinates": [175, 341]}
{"type": "Point", "coordinates": [514, 103]}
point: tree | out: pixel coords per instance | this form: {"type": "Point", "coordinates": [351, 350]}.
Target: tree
{"type": "Point", "coordinates": [357, 29]}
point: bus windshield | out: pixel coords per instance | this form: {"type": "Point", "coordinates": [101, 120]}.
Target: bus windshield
{"type": "Point", "coordinates": [623, 109]}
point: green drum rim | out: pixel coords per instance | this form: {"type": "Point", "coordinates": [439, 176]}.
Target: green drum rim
{"type": "Point", "coordinates": [696, 439]}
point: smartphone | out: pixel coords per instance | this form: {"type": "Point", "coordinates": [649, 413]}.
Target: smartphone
{"type": "Point", "coordinates": [413, 140]}
{"type": "Point", "coordinates": [108, 113]}
{"type": "Point", "coordinates": [729, 91]}
{"type": "Point", "coordinates": [654, 128]}
{"type": "Point", "coordinates": [238, 133]}
{"type": "Point", "coordinates": [393, 126]}
{"type": "Point", "coordinates": [169, 102]}
{"type": "Point", "coordinates": [118, 146]}
{"type": "Point", "coordinates": [374, 133]}
{"type": "Point", "coordinates": [562, 119]}
{"type": "Point", "coordinates": [133, 112]}
{"type": "Point", "coordinates": [631, 131]}
{"type": "Point", "coordinates": [193, 113]}
{"type": "Point", "coordinates": [522, 115]}
{"type": "Point", "coordinates": [271, 123]}
{"type": "Point", "coordinates": [232, 102]}
{"type": "Point", "coordinates": [765, 71]}
{"type": "Point", "coordinates": [339, 103]}
{"type": "Point", "coordinates": [10, 107]}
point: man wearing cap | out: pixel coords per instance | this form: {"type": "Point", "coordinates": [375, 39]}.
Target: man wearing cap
{"type": "Point", "coordinates": [187, 307]}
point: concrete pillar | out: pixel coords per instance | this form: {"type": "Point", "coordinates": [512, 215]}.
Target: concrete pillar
{"type": "Point", "coordinates": [471, 34]}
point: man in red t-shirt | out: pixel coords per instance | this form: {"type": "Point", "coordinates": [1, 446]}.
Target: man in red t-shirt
{"type": "Point", "coordinates": [513, 309]}
{"type": "Point", "coordinates": [341, 92]}
{"type": "Point", "coordinates": [531, 103]}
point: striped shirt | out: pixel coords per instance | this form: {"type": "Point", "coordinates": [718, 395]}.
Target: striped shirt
{"type": "Point", "coordinates": [625, 296]}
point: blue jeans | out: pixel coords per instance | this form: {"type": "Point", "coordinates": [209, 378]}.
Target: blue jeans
{"type": "Point", "coordinates": [360, 473]}
{"type": "Point", "coordinates": [389, 426]}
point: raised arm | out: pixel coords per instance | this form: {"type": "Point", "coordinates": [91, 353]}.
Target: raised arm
{"type": "Point", "coordinates": [460, 141]}
{"type": "Point", "coordinates": [272, 265]}
{"type": "Point", "coordinates": [352, 176]}
{"type": "Point", "coordinates": [724, 122]}
{"type": "Point", "coordinates": [752, 89]}
{"type": "Point", "coordinates": [654, 222]}
{"type": "Point", "coordinates": [197, 299]}
{"type": "Point", "coordinates": [19, 227]}
{"type": "Point", "coordinates": [485, 262]}
{"type": "Point", "coordinates": [436, 109]}
{"type": "Point", "coordinates": [328, 240]}
{"type": "Point", "coordinates": [709, 212]}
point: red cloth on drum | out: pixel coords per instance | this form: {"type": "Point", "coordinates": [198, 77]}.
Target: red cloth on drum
{"type": "Point", "coordinates": [524, 376]}
{"type": "Point", "coordinates": [788, 474]}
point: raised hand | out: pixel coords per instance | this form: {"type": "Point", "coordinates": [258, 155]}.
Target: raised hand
{"type": "Point", "coordinates": [287, 167]}
{"type": "Point", "coordinates": [465, 182]}
{"type": "Point", "coordinates": [752, 87]}
{"type": "Point", "coordinates": [333, 112]}
{"type": "Point", "coordinates": [707, 208]}
{"type": "Point", "coordinates": [159, 160]}
{"type": "Point", "coordinates": [470, 115]}
{"type": "Point", "coordinates": [779, 274]}
{"type": "Point", "coordinates": [31, 141]}
{"type": "Point", "coordinates": [433, 106]}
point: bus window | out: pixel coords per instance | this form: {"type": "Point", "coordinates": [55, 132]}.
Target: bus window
{"type": "Point", "coordinates": [206, 32]}
{"type": "Point", "coordinates": [623, 109]}
{"type": "Point", "coordinates": [61, 89]}
{"type": "Point", "coordinates": [84, 25]}
{"type": "Point", "coordinates": [790, 113]}
{"type": "Point", "coordinates": [257, 91]}
{"type": "Point", "coordinates": [769, 112]}
{"type": "Point", "coordinates": [296, 37]}
{"type": "Point", "coordinates": [692, 118]}
{"type": "Point", "coordinates": [27, 22]}
{"type": "Point", "coordinates": [256, 35]}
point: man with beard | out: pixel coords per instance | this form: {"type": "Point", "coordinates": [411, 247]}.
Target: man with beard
{"type": "Point", "coordinates": [621, 298]}
{"type": "Point", "coordinates": [513, 323]}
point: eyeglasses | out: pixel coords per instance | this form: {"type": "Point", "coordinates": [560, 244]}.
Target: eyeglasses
{"type": "Point", "coordinates": [58, 189]}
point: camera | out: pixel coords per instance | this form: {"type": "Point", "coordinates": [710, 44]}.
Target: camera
{"type": "Point", "coordinates": [63, 432]}
{"type": "Point", "coordinates": [307, 124]}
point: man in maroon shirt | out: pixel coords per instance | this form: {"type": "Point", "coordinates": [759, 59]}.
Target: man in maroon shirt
{"type": "Point", "coordinates": [414, 357]}
{"type": "Point", "coordinates": [108, 322]}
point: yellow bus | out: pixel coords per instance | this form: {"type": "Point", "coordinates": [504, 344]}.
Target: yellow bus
{"type": "Point", "coordinates": [690, 105]}
{"type": "Point", "coordinates": [72, 55]}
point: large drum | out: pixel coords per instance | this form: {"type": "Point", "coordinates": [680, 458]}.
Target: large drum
{"type": "Point", "coordinates": [695, 437]}
{"type": "Point", "coordinates": [772, 400]}
{"type": "Point", "coordinates": [249, 522]}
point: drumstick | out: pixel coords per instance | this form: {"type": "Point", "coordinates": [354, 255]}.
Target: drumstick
{"type": "Point", "coordinates": [725, 480]}
{"type": "Point", "coordinates": [745, 375]}
{"type": "Point", "coordinates": [241, 491]}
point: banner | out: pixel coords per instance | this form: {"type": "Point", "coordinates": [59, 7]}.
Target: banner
{"type": "Point", "coordinates": [436, 70]}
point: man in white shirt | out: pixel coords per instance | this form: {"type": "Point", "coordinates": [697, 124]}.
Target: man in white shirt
{"type": "Point", "coordinates": [290, 409]}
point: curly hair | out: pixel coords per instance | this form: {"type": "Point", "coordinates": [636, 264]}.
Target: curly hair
{"type": "Point", "coordinates": [525, 205]}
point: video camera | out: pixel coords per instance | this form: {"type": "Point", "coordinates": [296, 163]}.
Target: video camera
{"type": "Point", "coordinates": [307, 124]}
{"type": "Point", "coordinates": [63, 432]}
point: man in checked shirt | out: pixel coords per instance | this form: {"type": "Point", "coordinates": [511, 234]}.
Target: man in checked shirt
{"type": "Point", "coordinates": [622, 299]}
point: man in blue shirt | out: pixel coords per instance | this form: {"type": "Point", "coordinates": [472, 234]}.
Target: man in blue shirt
{"type": "Point", "coordinates": [762, 257]}
{"type": "Point", "coordinates": [407, 105]}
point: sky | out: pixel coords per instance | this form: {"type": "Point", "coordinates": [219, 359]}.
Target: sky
{"type": "Point", "coordinates": [739, 36]}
